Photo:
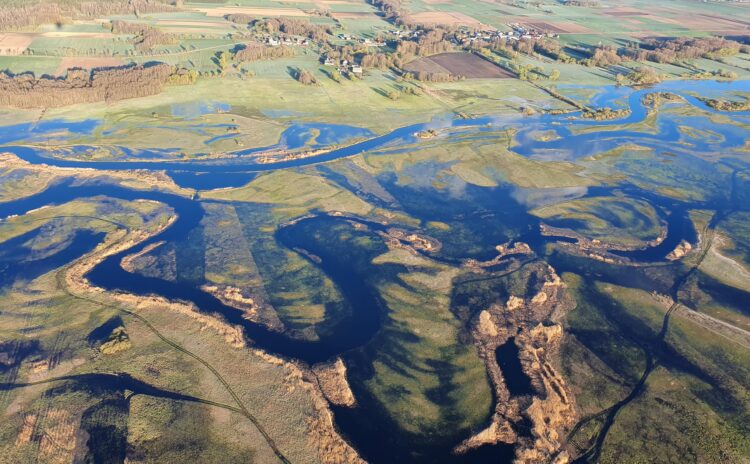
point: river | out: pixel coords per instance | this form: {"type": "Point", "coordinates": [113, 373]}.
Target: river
{"type": "Point", "coordinates": [371, 431]}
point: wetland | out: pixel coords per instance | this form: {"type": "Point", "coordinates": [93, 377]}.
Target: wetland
{"type": "Point", "coordinates": [393, 312]}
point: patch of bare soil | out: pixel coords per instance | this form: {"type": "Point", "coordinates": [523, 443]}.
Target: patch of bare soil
{"type": "Point", "coordinates": [534, 325]}
{"type": "Point", "coordinates": [467, 65]}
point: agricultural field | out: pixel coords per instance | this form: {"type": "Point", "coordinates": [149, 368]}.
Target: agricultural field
{"type": "Point", "coordinates": [457, 64]}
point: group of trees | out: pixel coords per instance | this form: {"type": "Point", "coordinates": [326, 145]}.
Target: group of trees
{"type": "Point", "coordinates": [299, 27]}
{"type": "Point", "coordinates": [683, 48]}
{"type": "Point", "coordinates": [362, 55]}
{"type": "Point", "coordinates": [643, 75]}
{"type": "Point", "coordinates": [392, 10]}
{"type": "Point", "coordinates": [290, 26]}
{"type": "Point", "coordinates": [729, 105]}
{"type": "Point", "coordinates": [83, 86]}
{"type": "Point", "coordinates": [380, 61]}
{"type": "Point", "coordinates": [305, 77]}
{"type": "Point", "coordinates": [145, 37]}
{"type": "Point", "coordinates": [656, 50]}
{"type": "Point", "coordinates": [603, 56]}
{"type": "Point", "coordinates": [240, 18]}
{"type": "Point", "coordinates": [510, 49]}
{"type": "Point", "coordinates": [425, 76]}
{"type": "Point", "coordinates": [553, 49]}
{"type": "Point", "coordinates": [17, 16]}
{"type": "Point", "coordinates": [182, 76]}
{"type": "Point", "coordinates": [253, 51]}
{"type": "Point", "coordinates": [432, 42]}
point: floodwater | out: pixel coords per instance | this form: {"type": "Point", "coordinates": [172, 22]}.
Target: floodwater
{"type": "Point", "coordinates": [568, 145]}
{"type": "Point", "coordinates": [480, 218]}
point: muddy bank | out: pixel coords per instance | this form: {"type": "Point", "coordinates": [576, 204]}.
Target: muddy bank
{"type": "Point", "coordinates": [332, 380]}
{"type": "Point", "coordinates": [596, 245]}
{"type": "Point", "coordinates": [538, 415]}
{"type": "Point", "coordinates": [412, 241]}
{"type": "Point", "coordinates": [254, 308]}
{"type": "Point", "coordinates": [503, 251]}
{"type": "Point", "coordinates": [322, 383]}
{"type": "Point", "coordinates": [133, 178]}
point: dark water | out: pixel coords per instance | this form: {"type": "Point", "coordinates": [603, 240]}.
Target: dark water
{"type": "Point", "coordinates": [349, 268]}
{"type": "Point", "coordinates": [351, 332]}
{"type": "Point", "coordinates": [516, 380]}
{"type": "Point", "coordinates": [14, 265]}
{"type": "Point", "coordinates": [480, 218]}
{"type": "Point", "coordinates": [205, 181]}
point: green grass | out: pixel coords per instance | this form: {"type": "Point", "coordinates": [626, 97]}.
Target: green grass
{"type": "Point", "coordinates": [294, 194]}
{"type": "Point", "coordinates": [38, 65]}
{"type": "Point", "coordinates": [619, 221]}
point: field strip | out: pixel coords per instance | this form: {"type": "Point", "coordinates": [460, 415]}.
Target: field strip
{"type": "Point", "coordinates": [149, 55]}
{"type": "Point", "coordinates": [221, 11]}
{"type": "Point", "coordinates": [717, 326]}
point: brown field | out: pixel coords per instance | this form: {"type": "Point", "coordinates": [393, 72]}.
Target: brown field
{"type": "Point", "coordinates": [706, 23]}
{"type": "Point", "coordinates": [562, 27]}
{"type": "Point", "coordinates": [573, 28]}
{"type": "Point", "coordinates": [458, 64]}
{"type": "Point", "coordinates": [444, 17]}
{"type": "Point", "coordinates": [86, 63]}
{"type": "Point", "coordinates": [14, 44]}
{"type": "Point", "coordinates": [222, 11]}
{"type": "Point", "coordinates": [544, 26]}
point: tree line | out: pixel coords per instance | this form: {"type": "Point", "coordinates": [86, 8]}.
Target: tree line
{"type": "Point", "coordinates": [84, 86]}
{"type": "Point", "coordinates": [14, 17]}
{"type": "Point", "coordinates": [392, 10]}
{"type": "Point", "coordinates": [683, 48]}
{"type": "Point", "coordinates": [145, 38]}
{"type": "Point", "coordinates": [253, 51]}
{"type": "Point", "coordinates": [290, 26]}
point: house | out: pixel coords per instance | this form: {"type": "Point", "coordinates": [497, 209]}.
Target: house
{"type": "Point", "coordinates": [356, 70]}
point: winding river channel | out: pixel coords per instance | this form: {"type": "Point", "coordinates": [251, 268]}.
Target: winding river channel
{"type": "Point", "coordinates": [368, 430]}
